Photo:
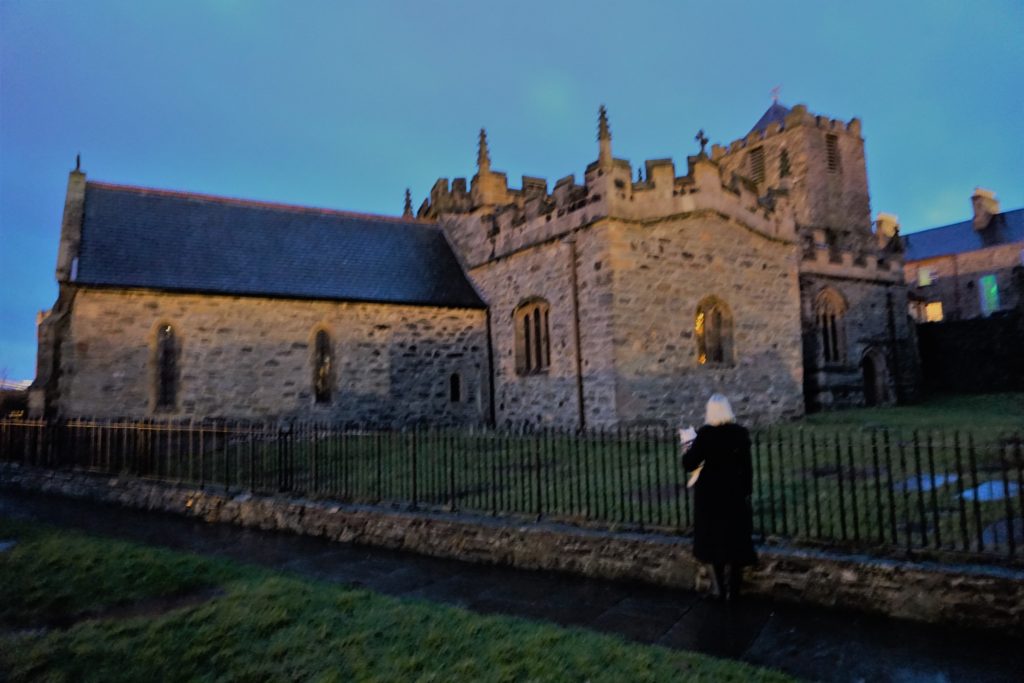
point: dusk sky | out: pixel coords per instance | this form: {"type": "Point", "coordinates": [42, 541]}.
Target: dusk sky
{"type": "Point", "coordinates": [344, 105]}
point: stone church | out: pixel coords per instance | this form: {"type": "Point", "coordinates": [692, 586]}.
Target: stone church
{"type": "Point", "coordinates": [620, 300]}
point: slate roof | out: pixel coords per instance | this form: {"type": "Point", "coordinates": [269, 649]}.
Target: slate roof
{"type": "Point", "coordinates": [1005, 228]}
{"type": "Point", "coordinates": [775, 114]}
{"type": "Point", "coordinates": [136, 237]}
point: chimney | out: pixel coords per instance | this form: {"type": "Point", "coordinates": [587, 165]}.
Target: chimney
{"type": "Point", "coordinates": [985, 207]}
{"type": "Point", "coordinates": [887, 227]}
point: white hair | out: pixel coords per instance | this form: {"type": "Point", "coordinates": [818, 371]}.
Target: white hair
{"type": "Point", "coordinates": [719, 411]}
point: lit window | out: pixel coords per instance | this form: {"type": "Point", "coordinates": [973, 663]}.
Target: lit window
{"type": "Point", "coordinates": [925, 277]}
{"type": "Point", "coordinates": [712, 327]}
{"type": "Point", "coordinates": [322, 370]}
{"type": "Point", "coordinates": [533, 347]}
{"type": "Point", "coordinates": [933, 312]}
{"type": "Point", "coordinates": [166, 368]}
{"type": "Point", "coordinates": [989, 290]}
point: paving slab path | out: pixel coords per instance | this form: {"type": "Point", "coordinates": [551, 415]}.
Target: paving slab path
{"type": "Point", "coordinates": [805, 641]}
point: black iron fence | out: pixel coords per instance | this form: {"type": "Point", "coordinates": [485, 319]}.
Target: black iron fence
{"type": "Point", "coordinates": [880, 489]}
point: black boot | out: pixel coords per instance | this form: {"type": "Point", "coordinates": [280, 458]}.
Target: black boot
{"type": "Point", "coordinates": [718, 581]}
{"type": "Point", "coordinates": [735, 582]}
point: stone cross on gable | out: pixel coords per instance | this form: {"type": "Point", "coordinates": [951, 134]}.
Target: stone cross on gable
{"type": "Point", "coordinates": [702, 139]}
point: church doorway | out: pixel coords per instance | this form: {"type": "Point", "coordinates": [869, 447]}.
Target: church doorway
{"type": "Point", "coordinates": [876, 381]}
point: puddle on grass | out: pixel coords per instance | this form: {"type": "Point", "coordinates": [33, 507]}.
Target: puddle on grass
{"type": "Point", "coordinates": [6, 545]}
{"type": "Point", "coordinates": [926, 482]}
{"type": "Point", "coordinates": [992, 490]}
{"type": "Point", "coordinates": [999, 532]}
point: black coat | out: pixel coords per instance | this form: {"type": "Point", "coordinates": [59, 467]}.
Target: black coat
{"type": "Point", "coordinates": [723, 521]}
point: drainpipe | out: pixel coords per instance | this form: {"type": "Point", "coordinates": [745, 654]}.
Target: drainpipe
{"type": "Point", "coordinates": [956, 290]}
{"type": "Point", "coordinates": [490, 371]}
{"type": "Point", "coordinates": [582, 416]}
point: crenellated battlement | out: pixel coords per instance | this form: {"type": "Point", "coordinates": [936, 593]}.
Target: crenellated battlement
{"type": "Point", "coordinates": [797, 117]}
{"type": "Point", "coordinates": [820, 255]}
{"type": "Point", "coordinates": [489, 219]}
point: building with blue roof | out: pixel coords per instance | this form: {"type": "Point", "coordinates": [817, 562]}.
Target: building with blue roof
{"type": "Point", "coordinates": [970, 268]}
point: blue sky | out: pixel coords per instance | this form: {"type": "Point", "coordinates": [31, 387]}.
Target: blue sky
{"type": "Point", "coordinates": [344, 105]}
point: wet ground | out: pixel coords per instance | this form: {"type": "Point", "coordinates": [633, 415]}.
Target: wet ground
{"type": "Point", "coordinates": [808, 642]}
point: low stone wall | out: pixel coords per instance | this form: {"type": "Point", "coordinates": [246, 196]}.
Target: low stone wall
{"type": "Point", "coordinates": [968, 595]}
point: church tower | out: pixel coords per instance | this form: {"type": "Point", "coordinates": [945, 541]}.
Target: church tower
{"type": "Point", "coordinates": [819, 162]}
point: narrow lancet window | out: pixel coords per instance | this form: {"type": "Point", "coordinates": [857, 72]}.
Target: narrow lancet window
{"type": "Point", "coordinates": [322, 368]}
{"type": "Point", "coordinates": [455, 388]}
{"type": "Point", "coordinates": [166, 368]}
{"type": "Point", "coordinates": [829, 310]}
{"type": "Point", "coordinates": [832, 153]}
{"type": "Point", "coordinates": [757, 164]}
{"type": "Point", "coordinates": [533, 343]}
{"type": "Point", "coordinates": [713, 330]}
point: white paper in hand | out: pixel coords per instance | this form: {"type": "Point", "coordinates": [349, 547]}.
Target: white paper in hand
{"type": "Point", "coordinates": [686, 436]}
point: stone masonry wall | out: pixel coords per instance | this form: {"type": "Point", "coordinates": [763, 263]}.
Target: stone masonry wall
{"type": "Point", "coordinates": [662, 271]}
{"type": "Point", "coordinates": [247, 357]}
{"type": "Point", "coordinates": [821, 198]}
{"type": "Point", "coordinates": [545, 271]}
{"type": "Point", "coordinates": [971, 596]}
{"type": "Point", "coordinates": [865, 326]}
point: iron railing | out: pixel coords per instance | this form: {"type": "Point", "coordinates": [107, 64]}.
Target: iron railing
{"type": "Point", "coordinates": [872, 489]}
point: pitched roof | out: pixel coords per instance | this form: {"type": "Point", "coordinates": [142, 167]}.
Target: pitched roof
{"type": "Point", "coordinates": [1005, 228]}
{"type": "Point", "coordinates": [136, 237]}
{"type": "Point", "coordinates": [775, 114]}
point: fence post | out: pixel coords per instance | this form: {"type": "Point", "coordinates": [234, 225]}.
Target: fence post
{"type": "Point", "coordinates": [1007, 498]}
{"type": "Point", "coordinates": [413, 448]}
{"type": "Point", "coordinates": [536, 468]}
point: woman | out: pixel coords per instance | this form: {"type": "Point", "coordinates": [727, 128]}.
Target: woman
{"type": "Point", "coordinates": [723, 521]}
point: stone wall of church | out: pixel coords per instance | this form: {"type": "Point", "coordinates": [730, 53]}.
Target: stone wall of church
{"type": "Point", "coordinates": [875, 320]}
{"type": "Point", "coordinates": [248, 357]}
{"type": "Point", "coordinates": [662, 272]}
{"type": "Point", "coordinates": [836, 199]}
{"type": "Point", "coordinates": [822, 198]}
{"type": "Point", "coordinates": [545, 271]}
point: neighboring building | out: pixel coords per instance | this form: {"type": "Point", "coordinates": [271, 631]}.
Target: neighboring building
{"type": "Point", "coordinates": [968, 269]}
{"type": "Point", "coordinates": [615, 301]}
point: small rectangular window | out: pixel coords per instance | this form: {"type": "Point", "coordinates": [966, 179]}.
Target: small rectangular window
{"type": "Point", "coordinates": [933, 312]}
{"type": "Point", "coordinates": [989, 290]}
{"type": "Point", "coordinates": [832, 152]}
{"type": "Point", "coordinates": [757, 164]}
{"type": "Point", "coordinates": [925, 277]}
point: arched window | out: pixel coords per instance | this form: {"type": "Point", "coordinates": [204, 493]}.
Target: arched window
{"type": "Point", "coordinates": [322, 367]}
{"type": "Point", "coordinates": [533, 346]}
{"type": "Point", "coordinates": [829, 312]}
{"type": "Point", "coordinates": [166, 368]}
{"type": "Point", "coordinates": [713, 329]}
{"type": "Point", "coordinates": [455, 388]}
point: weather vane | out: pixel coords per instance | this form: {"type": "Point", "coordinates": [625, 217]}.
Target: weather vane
{"type": "Point", "coordinates": [775, 93]}
{"type": "Point", "coordinates": [702, 139]}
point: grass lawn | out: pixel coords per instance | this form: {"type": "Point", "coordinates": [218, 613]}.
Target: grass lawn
{"type": "Point", "coordinates": [969, 412]}
{"type": "Point", "coordinates": [75, 607]}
